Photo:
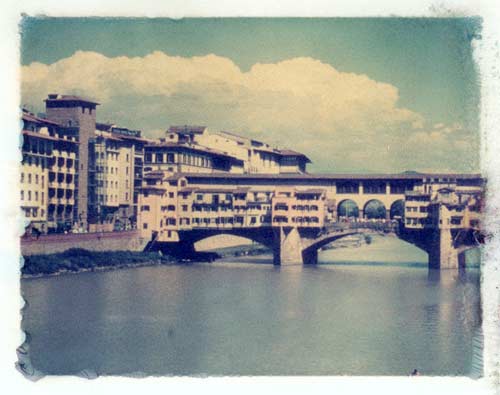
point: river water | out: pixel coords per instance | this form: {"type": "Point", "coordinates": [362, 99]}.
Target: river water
{"type": "Point", "coordinates": [384, 315]}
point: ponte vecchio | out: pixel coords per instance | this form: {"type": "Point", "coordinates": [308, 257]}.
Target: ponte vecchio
{"type": "Point", "coordinates": [296, 214]}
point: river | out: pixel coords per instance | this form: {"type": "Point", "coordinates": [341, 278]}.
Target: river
{"type": "Point", "coordinates": [384, 315]}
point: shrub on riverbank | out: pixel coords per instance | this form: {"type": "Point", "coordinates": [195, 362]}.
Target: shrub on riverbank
{"type": "Point", "coordinates": [76, 259]}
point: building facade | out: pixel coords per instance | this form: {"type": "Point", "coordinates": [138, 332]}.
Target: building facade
{"type": "Point", "coordinates": [170, 204]}
{"type": "Point", "coordinates": [195, 149]}
{"type": "Point", "coordinates": [119, 154]}
{"type": "Point", "coordinates": [445, 202]}
{"type": "Point", "coordinates": [76, 117]}
{"type": "Point", "coordinates": [48, 175]}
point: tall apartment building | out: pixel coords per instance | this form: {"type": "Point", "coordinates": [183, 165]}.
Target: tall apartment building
{"type": "Point", "coordinates": [77, 118]}
{"type": "Point", "coordinates": [119, 156]}
{"type": "Point", "coordinates": [48, 174]}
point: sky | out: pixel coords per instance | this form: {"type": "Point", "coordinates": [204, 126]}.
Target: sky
{"type": "Point", "coordinates": [354, 95]}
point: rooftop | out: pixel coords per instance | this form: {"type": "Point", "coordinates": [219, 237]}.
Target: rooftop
{"type": "Point", "coordinates": [192, 147]}
{"type": "Point", "coordinates": [55, 97]}
{"type": "Point", "coordinates": [30, 117]}
{"type": "Point", "coordinates": [331, 176]}
{"type": "Point", "coordinates": [187, 129]}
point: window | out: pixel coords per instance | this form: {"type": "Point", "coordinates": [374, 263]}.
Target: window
{"type": "Point", "coordinates": [29, 178]}
{"type": "Point", "coordinates": [347, 187]}
{"type": "Point", "coordinates": [43, 181]}
{"type": "Point", "coordinates": [43, 198]}
{"type": "Point", "coordinates": [22, 177]}
{"type": "Point", "coordinates": [145, 208]}
{"type": "Point", "coordinates": [22, 195]}
{"type": "Point", "coordinates": [170, 194]}
{"type": "Point", "coordinates": [29, 196]}
{"type": "Point", "coordinates": [144, 225]}
{"type": "Point", "coordinates": [184, 207]}
{"type": "Point", "coordinates": [28, 212]}
{"type": "Point", "coordinates": [36, 179]}
{"type": "Point", "coordinates": [126, 195]}
{"type": "Point", "coordinates": [36, 196]}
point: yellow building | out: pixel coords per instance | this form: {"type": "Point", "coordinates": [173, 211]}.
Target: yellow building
{"type": "Point", "coordinates": [48, 172]}
{"type": "Point", "coordinates": [169, 205]}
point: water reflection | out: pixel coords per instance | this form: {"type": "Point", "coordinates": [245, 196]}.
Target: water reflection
{"type": "Point", "coordinates": [256, 319]}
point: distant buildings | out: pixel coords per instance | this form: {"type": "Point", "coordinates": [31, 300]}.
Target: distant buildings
{"type": "Point", "coordinates": [444, 202]}
{"type": "Point", "coordinates": [194, 149]}
{"type": "Point", "coordinates": [80, 175]}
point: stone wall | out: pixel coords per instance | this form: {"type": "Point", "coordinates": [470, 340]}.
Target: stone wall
{"type": "Point", "coordinates": [100, 241]}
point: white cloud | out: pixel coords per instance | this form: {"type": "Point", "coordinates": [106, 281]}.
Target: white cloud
{"type": "Point", "coordinates": [346, 119]}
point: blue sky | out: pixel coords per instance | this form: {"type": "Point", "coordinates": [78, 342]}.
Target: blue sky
{"type": "Point", "coordinates": [379, 82]}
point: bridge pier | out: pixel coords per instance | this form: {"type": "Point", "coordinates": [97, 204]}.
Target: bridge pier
{"type": "Point", "coordinates": [310, 257]}
{"type": "Point", "coordinates": [442, 252]}
{"type": "Point", "coordinates": [439, 245]}
{"type": "Point", "coordinates": [287, 246]}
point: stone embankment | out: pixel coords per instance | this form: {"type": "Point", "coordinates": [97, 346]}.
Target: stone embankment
{"type": "Point", "coordinates": [99, 241]}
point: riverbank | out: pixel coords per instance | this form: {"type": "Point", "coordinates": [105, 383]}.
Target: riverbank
{"type": "Point", "coordinates": [77, 260]}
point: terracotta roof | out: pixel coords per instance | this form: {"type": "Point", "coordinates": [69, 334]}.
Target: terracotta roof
{"type": "Point", "coordinates": [47, 137]}
{"type": "Point", "coordinates": [289, 152]}
{"type": "Point", "coordinates": [26, 116]}
{"type": "Point", "coordinates": [40, 135]}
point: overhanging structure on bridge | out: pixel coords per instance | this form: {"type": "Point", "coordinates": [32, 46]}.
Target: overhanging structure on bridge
{"type": "Point", "coordinates": [291, 212]}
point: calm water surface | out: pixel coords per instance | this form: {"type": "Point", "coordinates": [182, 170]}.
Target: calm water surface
{"type": "Point", "coordinates": [241, 318]}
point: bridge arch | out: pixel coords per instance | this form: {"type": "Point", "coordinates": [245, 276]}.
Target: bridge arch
{"type": "Point", "coordinates": [347, 208]}
{"type": "Point", "coordinates": [261, 236]}
{"type": "Point", "coordinates": [374, 209]}
{"type": "Point", "coordinates": [397, 209]}
{"type": "Point", "coordinates": [417, 252]}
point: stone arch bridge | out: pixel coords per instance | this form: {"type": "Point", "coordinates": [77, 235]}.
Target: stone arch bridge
{"type": "Point", "coordinates": [293, 245]}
